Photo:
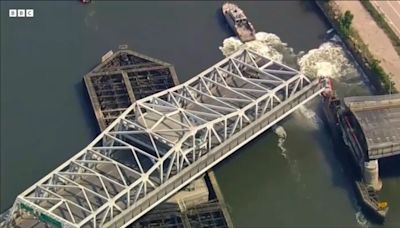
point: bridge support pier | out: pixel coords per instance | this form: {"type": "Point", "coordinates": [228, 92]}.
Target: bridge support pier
{"type": "Point", "coordinates": [371, 175]}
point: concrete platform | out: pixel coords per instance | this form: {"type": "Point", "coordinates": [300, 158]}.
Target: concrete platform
{"type": "Point", "coordinates": [379, 120]}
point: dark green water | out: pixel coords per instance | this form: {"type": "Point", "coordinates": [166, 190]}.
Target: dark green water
{"type": "Point", "coordinates": [46, 117]}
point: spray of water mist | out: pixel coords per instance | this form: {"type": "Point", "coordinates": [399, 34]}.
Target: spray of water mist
{"type": "Point", "coordinates": [266, 44]}
{"type": "Point", "coordinates": [328, 59]}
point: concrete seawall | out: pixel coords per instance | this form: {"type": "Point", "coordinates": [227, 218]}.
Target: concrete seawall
{"type": "Point", "coordinates": [368, 76]}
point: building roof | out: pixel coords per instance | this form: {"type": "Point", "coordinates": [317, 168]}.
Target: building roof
{"type": "Point", "coordinates": [379, 118]}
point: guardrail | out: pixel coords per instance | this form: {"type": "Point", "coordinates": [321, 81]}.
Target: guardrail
{"type": "Point", "coordinates": [216, 155]}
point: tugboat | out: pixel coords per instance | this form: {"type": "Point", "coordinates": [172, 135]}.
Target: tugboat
{"type": "Point", "coordinates": [238, 22]}
{"type": "Point", "coordinates": [368, 197]}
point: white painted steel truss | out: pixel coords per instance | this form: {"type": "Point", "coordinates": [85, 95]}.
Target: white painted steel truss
{"type": "Point", "coordinates": [158, 137]}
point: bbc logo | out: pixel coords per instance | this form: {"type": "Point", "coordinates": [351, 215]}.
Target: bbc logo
{"type": "Point", "coordinates": [20, 13]}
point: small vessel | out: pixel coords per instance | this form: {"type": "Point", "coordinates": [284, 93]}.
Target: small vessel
{"type": "Point", "coordinates": [371, 201]}
{"type": "Point", "coordinates": [238, 22]}
{"type": "Point", "coordinates": [85, 1]}
{"type": "Point", "coordinates": [337, 123]}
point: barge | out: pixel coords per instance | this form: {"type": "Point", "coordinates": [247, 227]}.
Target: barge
{"type": "Point", "coordinates": [238, 22]}
{"type": "Point", "coordinates": [340, 126]}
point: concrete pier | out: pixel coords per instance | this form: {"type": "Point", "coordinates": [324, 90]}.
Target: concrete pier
{"type": "Point", "coordinates": [371, 175]}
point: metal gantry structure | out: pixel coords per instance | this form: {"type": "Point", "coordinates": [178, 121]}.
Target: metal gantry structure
{"type": "Point", "coordinates": [164, 141]}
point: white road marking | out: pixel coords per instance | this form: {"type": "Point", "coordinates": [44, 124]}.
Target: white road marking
{"type": "Point", "coordinates": [394, 9]}
{"type": "Point", "coordinates": [382, 11]}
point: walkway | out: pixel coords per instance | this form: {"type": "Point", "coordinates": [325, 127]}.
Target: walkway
{"type": "Point", "coordinates": [379, 44]}
{"type": "Point", "coordinates": [391, 12]}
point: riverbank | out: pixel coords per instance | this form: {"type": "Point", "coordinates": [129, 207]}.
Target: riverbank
{"type": "Point", "coordinates": [377, 59]}
{"type": "Point", "coordinates": [373, 10]}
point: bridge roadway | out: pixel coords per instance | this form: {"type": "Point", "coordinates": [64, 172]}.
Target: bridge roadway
{"type": "Point", "coordinates": [163, 142]}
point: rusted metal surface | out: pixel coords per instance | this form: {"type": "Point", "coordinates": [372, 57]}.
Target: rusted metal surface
{"type": "Point", "coordinates": [122, 78]}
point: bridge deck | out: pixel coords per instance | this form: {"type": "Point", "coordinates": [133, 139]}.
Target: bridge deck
{"type": "Point", "coordinates": [164, 141]}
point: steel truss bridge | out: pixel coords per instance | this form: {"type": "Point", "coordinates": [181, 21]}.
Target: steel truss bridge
{"type": "Point", "coordinates": [164, 141]}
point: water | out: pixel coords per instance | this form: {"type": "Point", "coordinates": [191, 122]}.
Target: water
{"type": "Point", "coordinates": [284, 178]}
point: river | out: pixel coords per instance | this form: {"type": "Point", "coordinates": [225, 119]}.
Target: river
{"type": "Point", "coordinates": [288, 177]}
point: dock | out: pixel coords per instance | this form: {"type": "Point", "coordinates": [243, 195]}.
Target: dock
{"type": "Point", "coordinates": [122, 78]}
{"type": "Point", "coordinates": [370, 128]}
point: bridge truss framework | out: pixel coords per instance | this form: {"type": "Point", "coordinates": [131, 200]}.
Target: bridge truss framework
{"type": "Point", "coordinates": [164, 141]}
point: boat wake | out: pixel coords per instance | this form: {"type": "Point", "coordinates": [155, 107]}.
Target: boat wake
{"type": "Point", "coordinates": [361, 220]}
{"type": "Point", "coordinates": [266, 44]}
{"type": "Point", "coordinates": [309, 114]}
{"type": "Point", "coordinates": [281, 133]}
{"type": "Point", "coordinates": [327, 60]}
{"type": "Point", "coordinates": [91, 21]}
{"type": "Point", "coordinates": [293, 164]}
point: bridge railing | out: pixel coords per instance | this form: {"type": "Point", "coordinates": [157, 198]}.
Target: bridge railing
{"type": "Point", "coordinates": [216, 155]}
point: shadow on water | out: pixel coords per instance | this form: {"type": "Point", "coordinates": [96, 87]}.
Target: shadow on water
{"type": "Point", "coordinates": [337, 157]}
{"type": "Point", "coordinates": [251, 145]}
{"type": "Point", "coordinates": [389, 167]}
{"type": "Point", "coordinates": [311, 7]}
{"type": "Point", "coordinates": [308, 6]}
{"type": "Point", "coordinates": [223, 23]}
{"type": "Point", "coordinates": [86, 106]}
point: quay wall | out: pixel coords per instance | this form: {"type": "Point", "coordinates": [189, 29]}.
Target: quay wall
{"type": "Point", "coordinates": [373, 80]}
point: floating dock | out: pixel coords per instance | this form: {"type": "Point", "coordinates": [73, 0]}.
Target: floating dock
{"type": "Point", "coordinates": [118, 81]}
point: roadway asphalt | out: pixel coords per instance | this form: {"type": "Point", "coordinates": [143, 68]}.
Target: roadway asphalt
{"type": "Point", "coordinates": [391, 11]}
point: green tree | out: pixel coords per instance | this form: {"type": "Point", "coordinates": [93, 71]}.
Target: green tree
{"type": "Point", "coordinates": [345, 22]}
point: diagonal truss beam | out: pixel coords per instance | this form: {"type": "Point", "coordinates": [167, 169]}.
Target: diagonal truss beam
{"type": "Point", "coordinates": [168, 134]}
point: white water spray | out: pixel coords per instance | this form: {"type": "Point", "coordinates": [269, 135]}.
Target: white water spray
{"type": "Point", "coordinates": [266, 44]}
{"type": "Point", "coordinates": [328, 60]}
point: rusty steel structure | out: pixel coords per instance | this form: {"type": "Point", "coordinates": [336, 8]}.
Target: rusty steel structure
{"type": "Point", "coordinates": [123, 78]}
